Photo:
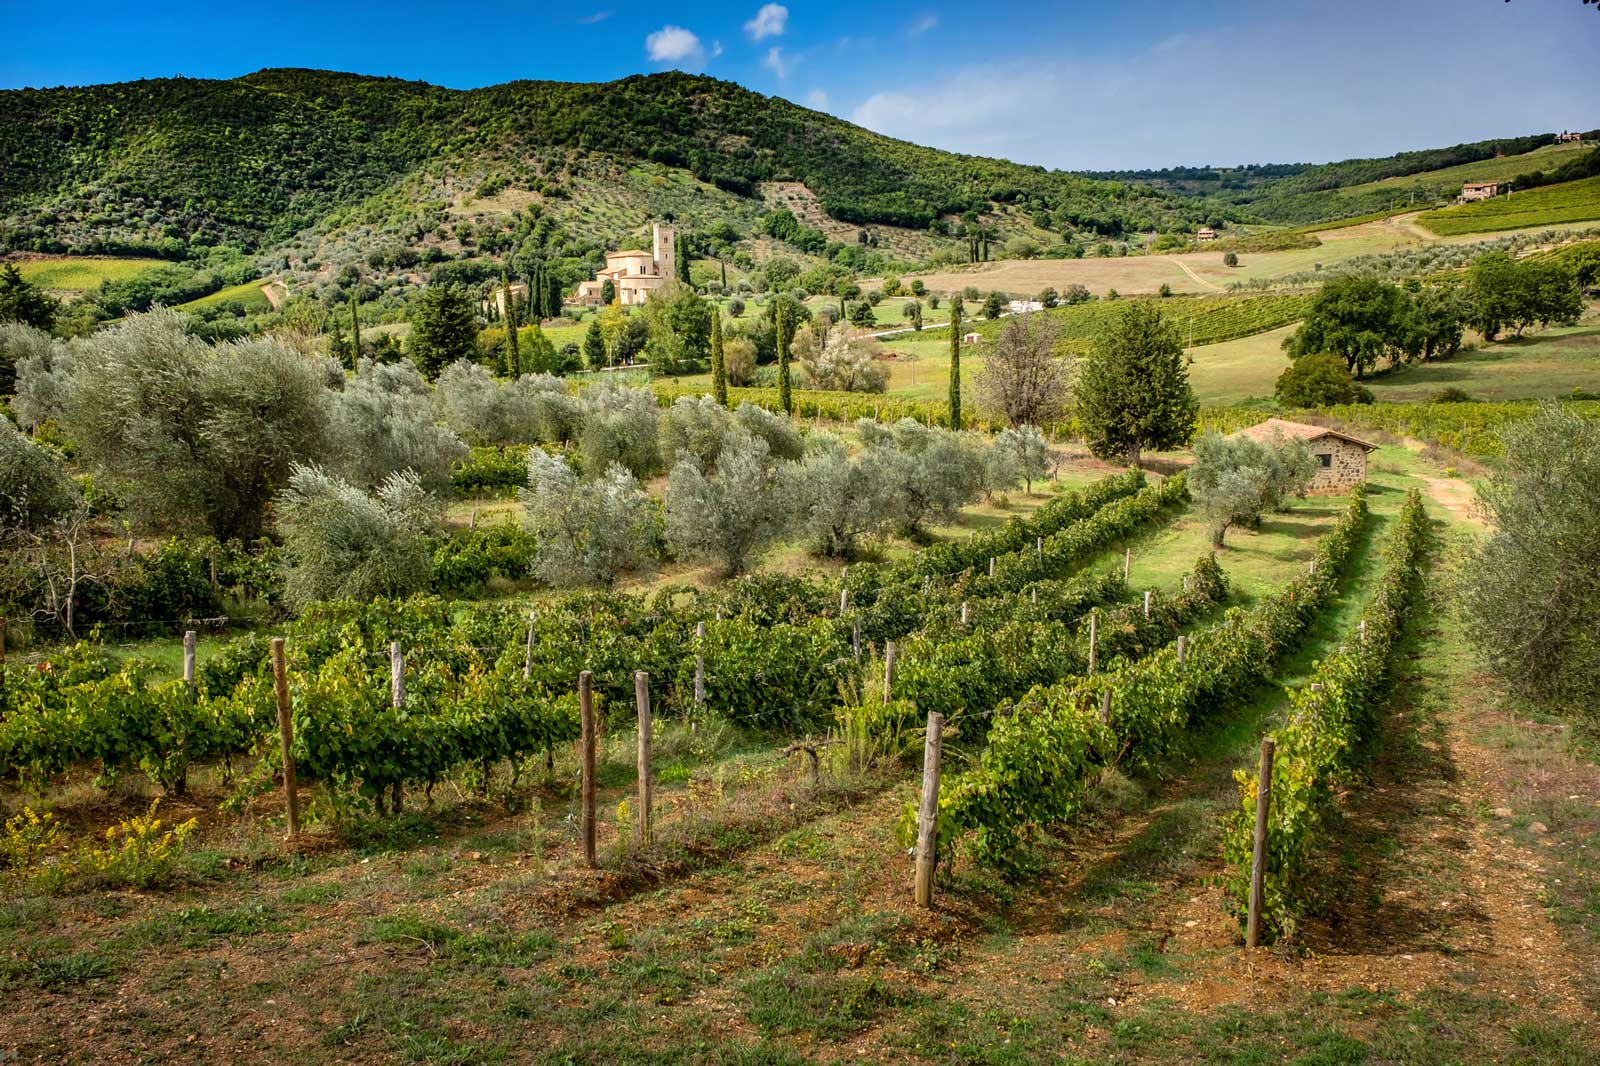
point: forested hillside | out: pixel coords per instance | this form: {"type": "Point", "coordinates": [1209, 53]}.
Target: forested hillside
{"type": "Point", "coordinates": [177, 166]}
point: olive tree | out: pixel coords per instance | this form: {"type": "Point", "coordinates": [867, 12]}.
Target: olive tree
{"type": "Point", "coordinates": [384, 423]}
{"type": "Point", "coordinates": [935, 472]}
{"type": "Point", "coordinates": [694, 427]}
{"type": "Point", "coordinates": [838, 499]}
{"type": "Point", "coordinates": [618, 426]}
{"type": "Point", "coordinates": [588, 531]}
{"type": "Point", "coordinates": [1528, 588]}
{"type": "Point", "coordinates": [19, 341]}
{"type": "Point", "coordinates": [1235, 480]}
{"type": "Point", "coordinates": [342, 543]}
{"type": "Point", "coordinates": [40, 367]}
{"type": "Point", "coordinates": [783, 440]}
{"type": "Point", "coordinates": [481, 409]}
{"type": "Point", "coordinates": [190, 434]}
{"type": "Point", "coordinates": [729, 516]}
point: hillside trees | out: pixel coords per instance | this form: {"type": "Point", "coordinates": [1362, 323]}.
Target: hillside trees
{"type": "Point", "coordinates": [34, 486]}
{"type": "Point", "coordinates": [1528, 590]}
{"type": "Point", "coordinates": [342, 543]}
{"type": "Point", "coordinates": [1514, 294]}
{"type": "Point", "coordinates": [1235, 480]}
{"type": "Point", "coordinates": [444, 329]}
{"type": "Point", "coordinates": [838, 499]}
{"type": "Point", "coordinates": [719, 362]}
{"type": "Point", "coordinates": [186, 433]}
{"type": "Point", "coordinates": [19, 341]}
{"type": "Point", "coordinates": [1133, 390]}
{"type": "Point", "coordinates": [1023, 378]}
{"type": "Point", "coordinates": [955, 362]}
{"type": "Point", "coordinates": [1360, 319]}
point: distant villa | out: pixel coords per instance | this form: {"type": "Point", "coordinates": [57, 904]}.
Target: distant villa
{"type": "Point", "coordinates": [634, 273]}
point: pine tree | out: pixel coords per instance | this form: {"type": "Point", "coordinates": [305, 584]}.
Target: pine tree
{"type": "Point", "coordinates": [1133, 391]}
{"type": "Point", "coordinates": [594, 346]}
{"type": "Point", "coordinates": [785, 396]}
{"type": "Point", "coordinates": [955, 363]}
{"type": "Point", "coordinates": [719, 365]}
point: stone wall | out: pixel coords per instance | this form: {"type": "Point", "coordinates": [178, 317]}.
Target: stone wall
{"type": "Point", "coordinates": [1347, 465]}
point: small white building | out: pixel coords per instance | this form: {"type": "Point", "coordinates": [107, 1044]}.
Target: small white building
{"type": "Point", "coordinates": [972, 338]}
{"type": "Point", "coordinates": [1020, 307]}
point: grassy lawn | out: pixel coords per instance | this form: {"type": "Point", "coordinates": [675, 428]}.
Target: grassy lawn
{"type": "Point", "coordinates": [81, 274]}
{"type": "Point", "coordinates": [1551, 363]}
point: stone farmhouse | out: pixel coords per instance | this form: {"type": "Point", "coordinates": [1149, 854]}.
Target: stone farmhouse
{"type": "Point", "coordinates": [1569, 137]}
{"type": "Point", "coordinates": [633, 272]}
{"type": "Point", "coordinates": [1341, 458]}
{"type": "Point", "coordinates": [1205, 233]}
{"type": "Point", "coordinates": [1479, 190]}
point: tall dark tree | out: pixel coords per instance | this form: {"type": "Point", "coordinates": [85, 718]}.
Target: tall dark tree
{"type": "Point", "coordinates": [993, 305]}
{"type": "Point", "coordinates": [23, 302]}
{"type": "Point", "coordinates": [680, 252]}
{"type": "Point", "coordinates": [1133, 390]}
{"type": "Point", "coordinates": [513, 355]}
{"type": "Point", "coordinates": [785, 395]}
{"type": "Point", "coordinates": [719, 364]}
{"type": "Point", "coordinates": [594, 346]}
{"type": "Point", "coordinates": [724, 267]}
{"type": "Point", "coordinates": [552, 295]}
{"type": "Point", "coordinates": [955, 363]}
{"type": "Point", "coordinates": [443, 329]}
{"type": "Point", "coordinates": [355, 333]}
{"type": "Point", "coordinates": [608, 291]}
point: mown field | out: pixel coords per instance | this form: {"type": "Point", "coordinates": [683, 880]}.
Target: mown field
{"type": "Point", "coordinates": [1552, 205]}
{"type": "Point", "coordinates": [770, 921]}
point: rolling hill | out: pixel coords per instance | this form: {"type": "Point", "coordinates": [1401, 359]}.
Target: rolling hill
{"type": "Point", "coordinates": [175, 167]}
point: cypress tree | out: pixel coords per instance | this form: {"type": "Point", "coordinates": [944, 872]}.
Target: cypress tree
{"type": "Point", "coordinates": [513, 356]}
{"type": "Point", "coordinates": [552, 290]}
{"type": "Point", "coordinates": [724, 267]}
{"type": "Point", "coordinates": [719, 366]}
{"type": "Point", "coordinates": [955, 363]}
{"type": "Point", "coordinates": [781, 320]}
{"type": "Point", "coordinates": [355, 334]}
{"type": "Point", "coordinates": [681, 254]}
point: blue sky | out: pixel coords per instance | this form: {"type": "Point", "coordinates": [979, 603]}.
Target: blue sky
{"type": "Point", "coordinates": [1072, 85]}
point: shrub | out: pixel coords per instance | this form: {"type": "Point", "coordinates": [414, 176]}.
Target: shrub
{"type": "Point", "coordinates": [838, 499]}
{"type": "Point", "coordinates": [588, 531]}
{"type": "Point", "coordinates": [729, 516]}
{"type": "Point", "coordinates": [383, 422]}
{"type": "Point", "coordinates": [779, 433]}
{"type": "Point", "coordinates": [34, 487]}
{"type": "Point", "coordinates": [618, 427]}
{"type": "Point", "coordinates": [137, 853]}
{"type": "Point", "coordinates": [483, 410]}
{"type": "Point", "coordinates": [694, 427]}
{"type": "Point", "coordinates": [1319, 381]}
{"type": "Point", "coordinates": [19, 341]}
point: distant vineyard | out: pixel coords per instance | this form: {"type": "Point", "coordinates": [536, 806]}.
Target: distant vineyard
{"type": "Point", "coordinates": [1575, 201]}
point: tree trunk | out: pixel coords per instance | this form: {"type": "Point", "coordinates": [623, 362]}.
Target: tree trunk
{"type": "Point", "coordinates": [1133, 453]}
{"type": "Point", "coordinates": [1217, 534]}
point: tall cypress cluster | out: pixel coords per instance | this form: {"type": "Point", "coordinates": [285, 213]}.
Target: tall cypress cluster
{"type": "Point", "coordinates": [781, 320]}
{"type": "Point", "coordinates": [719, 365]}
{"type": "Point", "coordinates": [513, 356]}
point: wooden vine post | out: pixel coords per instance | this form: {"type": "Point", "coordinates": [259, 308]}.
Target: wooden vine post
{"type": "Point", "coordinates": [527, 655]}
{"type": "Point", "coordinates": [1147, 603]}
{"type": "Point", "coordinates": [1127, 563]}
{"type": "Point", "coordinates": [699, 664]}
{"type": "Point", "coordinates": [280, 685]}
{"type": "Point", "coordinates": [991, 566]}
{"type": "Point", "coordinates": [641, 696]}
{"type": "Point", "coordinates": [1094, 632]}
{"type": "Point", "coordinates": [888, 670]}
{"type": "Point", "coordinates": [586, 745]}
{"type": "Point", "coordinates": [397, 675]}
{"type": "Point", "coordinates": [1258, 853]}
{"type": "Point", "coordinates": [189, 638]}
{"type": "Point", "coordinates": [2, 640]}
{"type": "Point", "coordinates": [1038, 544]}
{"type": "Point", "coordinates": [1183, 648]}
{"type": "Point", "coordinates": [963, 612]}
{"type": "Point", "coordinates": [928, 812]}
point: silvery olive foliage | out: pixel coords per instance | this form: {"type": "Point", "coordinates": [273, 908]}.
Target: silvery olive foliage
{"type": "Point", "coordinates": [589, 530]}
{"type": "Point", "coordinates": [728, 516]}
{"type": "Point", "coordinates": [384, 423]}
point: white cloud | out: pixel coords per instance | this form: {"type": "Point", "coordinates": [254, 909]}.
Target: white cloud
{"type": "Point", "coordinates": [674, 44]}
{"type": "Point", "coordinates": [770, 21]}
{"type": "Point", "coordinates": [775, 62]}
{"type": "Point", "coordinates": [716, 49]}
{"type": "Point", "coordinates": [924, 24]}
{"type": "Point", "coordinates": [598, 16]}
{"type": "Point", "coordinates": [817, 100]}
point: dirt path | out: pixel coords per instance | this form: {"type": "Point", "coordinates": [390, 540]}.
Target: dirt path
{"type": "Point", "coordinates": [1408, 223]}
{"type": "Point", "coordinates": [1455, 496]}
{"type": "Point", "coordinates": [1213, 286]}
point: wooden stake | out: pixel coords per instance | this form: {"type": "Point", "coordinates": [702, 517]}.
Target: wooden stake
{"type": "Point", "coordinates": [1183, 648]}
{"type": "Point", "coordinates": [1361, 628]}
{"type": "Point", "coordinates": [844, 601]}
{"type": "Point", "coordinates": [2, 640]}
{"type": "Point", "coordinates": [855, 638]}
{"type": "Point", "coordinates": [963, 612]}
{"type": "Point", "coordinates": [527, 655]}
{"type": "Point", "coordinates": [280, 685]}
{"type": "Point", "coordinates": [1127, 563]}
{"type": "Point", "coordinates": [991, 566]}
{"type": "Point", "coordinates": [888, 670]}
{"type": "Point", "coordinates": [928, 813]}
{"type": "Point", "coordinates": [1258, 854]}
{"type": "Point", "coordinates": [1035, 594]}
{"type": "Point", "coordinates": [700, 664]}
{"type": "Point", "coordinates": [641, 696]}
{"type": "Point", "coordinates": [1105, 707]}
{"type": "Point", "coordinates": [1186, 584]}
{"type": "Point", "coordinates": [1094, 633]}
{"type": "Point", "coordinates": [1313, 568]}
{"type": "Point", "coordinates": [1038, 543]}
{"type": "Point", "coordinates": [1147, 603]}
{"type": "Point", "coordinates": [397, 675]}
{"type": "Point", "coordinates": [586, 744]}
{"type": "Point", "coordinates": [188, 657]}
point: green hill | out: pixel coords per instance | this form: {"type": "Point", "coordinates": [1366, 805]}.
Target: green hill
{"type": "Point", "coordinates": [1553, 205]}
{"type": "Point", "coordinates": [178, 166]}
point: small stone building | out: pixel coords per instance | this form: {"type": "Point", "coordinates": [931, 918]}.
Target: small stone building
{"type": "Point", "coordinates": [1341, 458]}
{"type": "Point", "coordinates": [1479, 190]}
{"type": "Point", "coordinates": [1205, 233]}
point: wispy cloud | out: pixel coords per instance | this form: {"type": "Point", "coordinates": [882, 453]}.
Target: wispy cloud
{"type": "Point", "coordinates": [924, 24]}
{"type": "Point", "coordinates": [775, 62]}
{"type": "Point", "coordinates": [674, 44]}
{"type": "Point", "coordinates": [770, 21]}
{"type": "Point", "coordinates": [817, 100]}
{"type": "Point", "coordinates": [598, 16]}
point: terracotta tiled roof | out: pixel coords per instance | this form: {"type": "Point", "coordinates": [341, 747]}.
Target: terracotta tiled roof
{"type": "Point", "coordinates": [627, 253]}
{"type": "Point", "coordinates": [1282, 426]}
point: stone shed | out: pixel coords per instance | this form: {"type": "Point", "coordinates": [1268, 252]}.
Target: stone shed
{"type": "Point", "coordinates": [1341, 458]}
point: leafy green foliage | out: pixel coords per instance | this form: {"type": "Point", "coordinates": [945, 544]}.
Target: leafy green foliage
{"type": "Point", "coordinates": [1235, 479]}
{"type": "Point", "coordinates": [34, 486]}
{"type": "Point", "coordinates": [588, 531]}
{"type": "Point", "coordinates": [731, 515]}
{"type": "Point", "coordinates": [1320, 380]}
{"type": "Point", "coordinates": [24, 303]}
{"type": "Point", "coordinates": [444, 329]}
{"type": "Point", "coordinates": [1362, 320]}
{"type": "Point", "coordinates": [1507, 293]}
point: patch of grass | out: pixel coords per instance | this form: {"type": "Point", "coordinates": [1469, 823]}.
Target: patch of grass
{"type": "Point", "coordinates": [81, 274]}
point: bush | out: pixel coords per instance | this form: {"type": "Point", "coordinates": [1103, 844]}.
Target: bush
{"type": "Point", "coordinates": [1235, 480]}
{"type": "Point", "coordinates": [781, 436]}
{"type": "Point", "coordinates": [1319, 381]}
{"type": "Point", "coordinates": [729, 516]}
{"type": "Point", "coordinates": [838, 499]}
{"type": "Point", "coordinates": [588, 531]}
{"type": "Point", "coordinates": [34, 487]}
{"type": "Point", "coordinates": [618, 427]}
{"type": "Point", "coordinates": [694, 427]}
{"type": "Point", "coordinates": [383, 422]}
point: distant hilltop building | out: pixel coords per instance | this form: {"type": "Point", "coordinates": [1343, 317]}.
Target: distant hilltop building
{"type": "Point", "coordinates": [1022, 307]}
{"type": "Point", "coordinates": [1205, 233]}
{"type": "Point", "coordinates": [1480, 190]}
{"type": "Point", "coordinates": [1564, 137]}
{"type": "Point", "coordinates": [635, 273]}
{"type": "Point", "coordinates": [498, 298]}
